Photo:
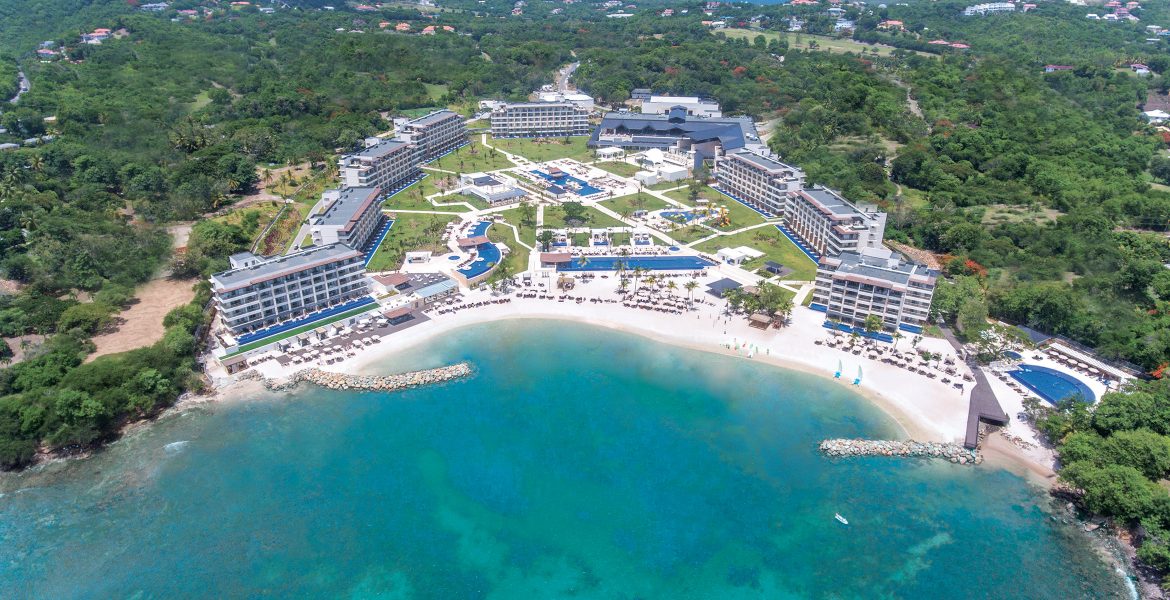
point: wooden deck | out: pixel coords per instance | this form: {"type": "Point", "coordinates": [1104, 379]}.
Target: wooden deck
{"type": "Point", "coordinates": [984, 406]}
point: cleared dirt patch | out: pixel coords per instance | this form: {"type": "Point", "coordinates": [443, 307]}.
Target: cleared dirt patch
{"type": "Point", "coordinates": [142, 323]}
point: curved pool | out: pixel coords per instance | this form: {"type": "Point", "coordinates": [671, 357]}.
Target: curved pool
{"type": "Point", "coordinates": [1050, 384]}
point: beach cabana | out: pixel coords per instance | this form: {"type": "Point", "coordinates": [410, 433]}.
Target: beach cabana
{"type": "Point", "coordinates": [760, 320]}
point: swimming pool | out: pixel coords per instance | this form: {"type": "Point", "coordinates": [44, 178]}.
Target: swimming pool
{"type": "Point", "coordinates": [1050, 384]}
{"type": "Point", "coordinates": [654, 263]}
{"type": "Point", "coordinates": [683, 216]}
{"type": "Point", "coordinates": [583, 189]}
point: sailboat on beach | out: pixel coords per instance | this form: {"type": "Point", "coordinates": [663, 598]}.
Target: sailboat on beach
{"type": "Point", "coordinates": [858, 380]}
{"type": "Point", "coordinates": [837, 375]}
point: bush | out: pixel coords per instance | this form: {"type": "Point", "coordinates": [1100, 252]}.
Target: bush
{"type": "Point", "coordinates": [89, 318]}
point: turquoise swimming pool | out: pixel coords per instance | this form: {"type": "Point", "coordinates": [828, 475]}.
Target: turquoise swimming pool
{"type": "Point", "coordinates": [1050, 384]}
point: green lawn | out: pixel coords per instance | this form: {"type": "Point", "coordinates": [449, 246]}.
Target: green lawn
{"type": "Point", "coordinates": [411, 231]}
{"type": "Point", "coordinates": [517, 258]}
{"type": "Point", "coordinates": [775, 247]}
{"type": "Point", "coordinates": [690, 233]}
{"type": "Point", "coordinates": [473, 158]}
{"type": "Point", "coordinates": [620, 239]}
{"type": "Point", "coordinates": [414, 198]}
{"type": "Point", "coordinates": [554, 218]}
{"type": "Point", "coordinates": [618, 168]}
{"type": "Point", "coordinates": [741, 216]}
{"type": "Point", "coordinates": [625, 205]}
{"type": "Point", "coordinates": [527, 231]}
{"type": "Point", "coordinates": [540, 150]}
{"type": "Point", "coordinates": [662, 186]}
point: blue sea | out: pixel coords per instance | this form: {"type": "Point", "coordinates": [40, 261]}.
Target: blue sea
{"type": "Point", "coordinates": [576, 462]}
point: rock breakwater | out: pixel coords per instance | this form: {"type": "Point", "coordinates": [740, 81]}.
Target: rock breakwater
{"type": "Point", "coordinates": [955, 453]}
{"type": "Point", "coordinates": [381, 383]}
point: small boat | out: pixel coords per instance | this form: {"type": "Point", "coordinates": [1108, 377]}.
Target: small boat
{"type": "Point", "coordinates": [843, 520]}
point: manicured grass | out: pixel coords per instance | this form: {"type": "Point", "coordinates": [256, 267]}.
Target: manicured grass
{"type": "Point", "coordinates": [299, 330]}
{"type": "Point", "coordinates": [666, 185]}
{"type": "Point", "coordinates": [626, 205]}
{"type": "Point", "coordinates": [580, 239]}
{"type": "Point", "coordinates": [413, 198]}
{"type": "Point", "coordinates": [690, 233]}
{"type": "Point", "coordinates": [618, 168]}
{"type": "Point", "coordinates": [620, 239]}
{"type": "Point", "coordinates": [411, 231]}
{"type": "Point", "coordinates": [775, 247]}
{"type": "Point", "coordinates": [517, 259]}
{"type": "Point", "coordinates": [540, 150]}
{"type": "Point", "coordinates": [527, 230]}
{"type": "Point", "coordinates": [472, 158]}
{"type": "Point", "coordinates": [554, 218]}
{"type": "Point", "coordinates": [741, 215]}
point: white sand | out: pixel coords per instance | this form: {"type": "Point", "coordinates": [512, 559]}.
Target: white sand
{"type": "Point", "coordinates": [926, 409]}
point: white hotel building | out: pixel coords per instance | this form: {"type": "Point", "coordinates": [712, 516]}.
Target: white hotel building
{"type": "Point", "coordinates": [758, 179]}
{"type": "Point", "coordinates": [874, 281]}
{"type": "Point", "coordinates": [349, 216]}
{"type": "Point", "coordinates": [435, 134]}
{"type": "Point", "coordinates": [831, 224]}
{"type": "Point", "coordinates": [539, 119]}
{"type": "Point", "coordinates": [385, 165]}
{"type": "Point", "coordinates": [258, 292]}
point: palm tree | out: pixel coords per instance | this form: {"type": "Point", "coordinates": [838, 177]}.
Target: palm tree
{"type": "Point", "coordinates": [671, 286]}
{"type": "Point", "coordinates": [897, 336]}
{"type": "Point", "coordinates": [690, 287]}
{"type": "Point", "coordinates": [638, 272]}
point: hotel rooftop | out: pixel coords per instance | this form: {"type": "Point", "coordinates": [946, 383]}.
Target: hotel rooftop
{"type": "Point", "coordinates": [831, 201]}
{"type": "Point", "coordinates": [348, 207]}
{"type": "Point", "coordinates": [265, 269]}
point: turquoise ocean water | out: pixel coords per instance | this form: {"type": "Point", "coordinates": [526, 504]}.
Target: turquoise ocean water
{"type": "Point", "coordinates": [576, 462]}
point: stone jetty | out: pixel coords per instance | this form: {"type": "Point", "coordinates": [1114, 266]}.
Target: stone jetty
{"type": "Point", "coordinates": [381, 383]}
{"type": "Point", "coordinates": [955, 453]}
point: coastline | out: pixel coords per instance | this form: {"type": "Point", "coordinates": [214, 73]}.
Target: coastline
{"type": "Point", "coordinates": [923, 409]}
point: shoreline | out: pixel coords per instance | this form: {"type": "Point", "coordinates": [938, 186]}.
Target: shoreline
{"type": "Point", "coordinates": [922, 409]}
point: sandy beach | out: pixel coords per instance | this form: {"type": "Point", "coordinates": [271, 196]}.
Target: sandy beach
{"type": "Point", "coordinates": [925, 408]}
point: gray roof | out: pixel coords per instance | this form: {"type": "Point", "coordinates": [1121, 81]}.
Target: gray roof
{"type": "Point", "coordinates": [278, 266]}
{"type": "Point", "coordinates": [764, 162]}
{"type": "Point", "coordinates": [431, 119]}
{"type": "Point", "coordinates": [832, 201]}
{"type": "Point", "coordinates": [885, 266]}
{"type": "Point", "coordinates": [731, 132]}
{"type": "Point", "coordinates": [382, 148]}
{"type": "Point", "coordinates": [509, 105]}
{"type": "Point", "coordinates": [348, 207]}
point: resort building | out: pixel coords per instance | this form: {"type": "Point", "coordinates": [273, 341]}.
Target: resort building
{"type": "Point", "coordinates": [386, 164]}
{"type": "Point", "coordinates": [874, 281]}
{"type": "Point", "coordinates": [350, 216]}
{"type": "Point", "coordinates": [539, 119]}
{"type": "Point", "coordinates": [706, 136]}
{"type": "Point", "coordinates": [435, 134]}
{"type": "Point", "coordinates": [758, 179]}
{"type": "Point", "coordinates": [695, 106]}
{"type": "Point", "coordinates": [830, 224]}
{"type": "Point", "coordinates": [989, 8]}
{"type": "Point", "coordinates": [493, 189]}
{"type": "Point", "coordinates": [258, 292]}
{"type": "Point", "coordinates": [583, 101]}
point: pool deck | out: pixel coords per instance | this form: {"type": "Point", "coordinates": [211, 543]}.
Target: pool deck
{"type": "Point", "coordinates": [984, 406]}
